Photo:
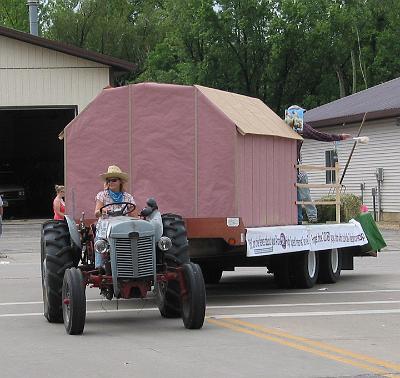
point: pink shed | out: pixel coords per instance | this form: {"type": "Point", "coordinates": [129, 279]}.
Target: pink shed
{"type": "Point", "coordinates": [201, 152]}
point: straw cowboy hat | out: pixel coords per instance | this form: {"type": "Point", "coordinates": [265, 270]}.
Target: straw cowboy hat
{"type": "Point", "coordinates": [114, 172]}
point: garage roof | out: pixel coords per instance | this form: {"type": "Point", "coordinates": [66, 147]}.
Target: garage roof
{"type": "Point", "coordinates": [380, 101]}
{"type": "Point", "coordinates": [250, 115]}
{"type": "Point", "coordinates": [117, 64]}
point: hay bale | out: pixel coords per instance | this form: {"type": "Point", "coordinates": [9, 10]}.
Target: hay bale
{"type": "Point", "coordinates": [350, 205]}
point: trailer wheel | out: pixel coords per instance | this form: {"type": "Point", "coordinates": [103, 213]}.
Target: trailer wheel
{"type": "Point", "coordinates": [174, 228]}
{"type": "Point", "coordinates": [168, 299]}
{"type": "Point", "coordinates": [281, 266]}
{"type": "Point", "coordinates": [74, 301]}
{"type": "Point", "coordinates": [56, 255]}
{"type": "Point", "coordinates": [211, 274]}
{"type": "Point", "coordinates": [194, 298]}
{"type": "Point", "coordinates": [306, 269]}
{"type": "Point", "coordinates": [330, 266]}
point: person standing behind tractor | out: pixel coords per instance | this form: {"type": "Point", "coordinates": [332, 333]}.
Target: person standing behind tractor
{"type": "Point", "coordinates": [303, 194]}
{"type": "Point", "coordinates": [58, 203]}
{"type": "Point", "coordinates": [113, 192]}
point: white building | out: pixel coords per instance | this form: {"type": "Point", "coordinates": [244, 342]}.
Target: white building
{"type": "Point", "coordinates": [382, 126]}
{"type": "Point", "coordinates": [44, 84]}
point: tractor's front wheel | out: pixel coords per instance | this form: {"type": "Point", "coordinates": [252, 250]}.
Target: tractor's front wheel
{"type": "Point", "coordinates": [194, 297]}
{"type": "Point", "coordinates": [56, 256]}
{"type": "Point", "coordinates": [74, 301]}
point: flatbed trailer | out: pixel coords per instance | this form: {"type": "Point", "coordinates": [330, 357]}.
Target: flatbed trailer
{"type": "Point", "coordinates": [225, 162]}
{"type": "Point", "coordinates": [297, 255]}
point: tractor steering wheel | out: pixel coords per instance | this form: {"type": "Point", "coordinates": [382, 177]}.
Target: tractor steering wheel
{"type": "Point", "coordinates": [126, 208]}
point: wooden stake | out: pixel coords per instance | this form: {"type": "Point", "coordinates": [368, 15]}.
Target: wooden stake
{"type": "Point", "coordinates": [352, 150]}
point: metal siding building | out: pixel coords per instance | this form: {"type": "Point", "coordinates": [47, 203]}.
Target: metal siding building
{"type": "Point", "coordinates": [44, 85]}
{"type": "Point", "coordinates": [35, 71]}
{"type": "Point", "coordinates": [36, 76]}
{"type": "Point", "coordinates": [382, 126]}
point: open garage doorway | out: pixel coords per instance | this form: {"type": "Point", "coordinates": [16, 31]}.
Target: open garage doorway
{"type": "Point", "coordinates": [31, 159]}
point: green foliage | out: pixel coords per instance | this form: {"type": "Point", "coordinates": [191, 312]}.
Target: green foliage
{"type": "Point", "coordinates": [14, 14]}
{"type": "Point", "coordinates": [308, 52]}
{"type": "Point", "coordinates": [349, 208]}
{"type": "Point", "coordinates": [125, 29]}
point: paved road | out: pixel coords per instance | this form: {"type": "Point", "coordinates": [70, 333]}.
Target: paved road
{"type": "Point", "coordinates": [350, 329]}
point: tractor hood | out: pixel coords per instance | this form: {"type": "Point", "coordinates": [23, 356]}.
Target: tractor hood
{"type": "Point", "coordinates": [124, 227]}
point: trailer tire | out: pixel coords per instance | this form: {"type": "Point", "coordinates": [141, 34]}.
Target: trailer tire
{"type": "Point", "coordinates": [74, 301]}
{"type": "Point", "coordinates": [306, 269]}
{"type": "Point", "coordinates": [330, 266]}
{"type": "Point", "coordinates": [174, 228]}
{"type": "Point", "coordinates": [282, 268]}
{"type": "Point", "coordinates": [194, 297]}
{"type": "Point", "coordinates": [57, 255]}
{"type": "Point", "coordinates": [211, 274]}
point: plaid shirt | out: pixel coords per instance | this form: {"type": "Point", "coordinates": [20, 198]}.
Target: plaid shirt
{"type": "Point", "coordinates": [105, 198]}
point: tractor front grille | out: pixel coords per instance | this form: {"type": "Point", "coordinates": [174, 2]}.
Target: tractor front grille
{"type": "Point", "coordinates": [134, 257]}
{"type": "Point", "coordinates": [145, 256]}
{"type": "Point", "coordinates": [125, 263]}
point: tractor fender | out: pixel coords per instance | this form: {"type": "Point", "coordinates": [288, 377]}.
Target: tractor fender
{"type": "Point", "coordinates": [155, 219]}
{"type": "Point", "coordinates": [73, 231]}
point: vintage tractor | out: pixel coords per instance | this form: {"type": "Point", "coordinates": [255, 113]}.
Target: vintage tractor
{"type": "Point", "coordinates": [139, 254]}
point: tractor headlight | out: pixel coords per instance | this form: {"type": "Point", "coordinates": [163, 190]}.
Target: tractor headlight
{"type": "Point", "coordinates": [164, 243]}
{"type": "Point", "coordinates": [101, 246]}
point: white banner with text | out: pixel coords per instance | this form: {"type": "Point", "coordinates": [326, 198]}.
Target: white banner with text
{"type": "Point", "coordinates": [262, 241]}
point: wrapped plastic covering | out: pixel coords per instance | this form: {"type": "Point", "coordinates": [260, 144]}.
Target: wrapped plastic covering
{"type": "Point", "coordinates": [199, 152]}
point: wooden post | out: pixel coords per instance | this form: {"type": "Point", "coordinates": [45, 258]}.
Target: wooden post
{"type": "Point", "coordinates": [337, 193]}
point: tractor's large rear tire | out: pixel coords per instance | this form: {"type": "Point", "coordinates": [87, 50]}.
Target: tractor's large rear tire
{"type": "Point", "coordinates": [194, 298]}
{"type": "Point", "coordinates": [56, 255]}
{"type": "Point", "coordinates": [169, 299]}
{"type": "Point", "coordinates": [168, 293]}
{"type": "Point", "coordinates": [330, 266]}
{"type": "Point", "coordinates": [174, 228]}
{"type": "Point", "coordinates": [74, 301]}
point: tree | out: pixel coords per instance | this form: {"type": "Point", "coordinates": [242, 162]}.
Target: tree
{"type": "Point", "coordinates": [282, 51]}
{"type": "Point", "coordinates": [121, 28]}
{"type": "Point", "coordinates": [223, 44]}
{"type": "Point", "coordinates": [14, 14]}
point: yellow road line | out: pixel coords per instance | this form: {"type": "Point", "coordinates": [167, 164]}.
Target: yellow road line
{"type": "Point", "coordinates": [321, 345]}
{"type": "Point", "coordinates": [280, 340]}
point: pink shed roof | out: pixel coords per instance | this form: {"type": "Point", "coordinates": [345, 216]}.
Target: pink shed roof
{"type": "Point", "coordinates": [250, 115]}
